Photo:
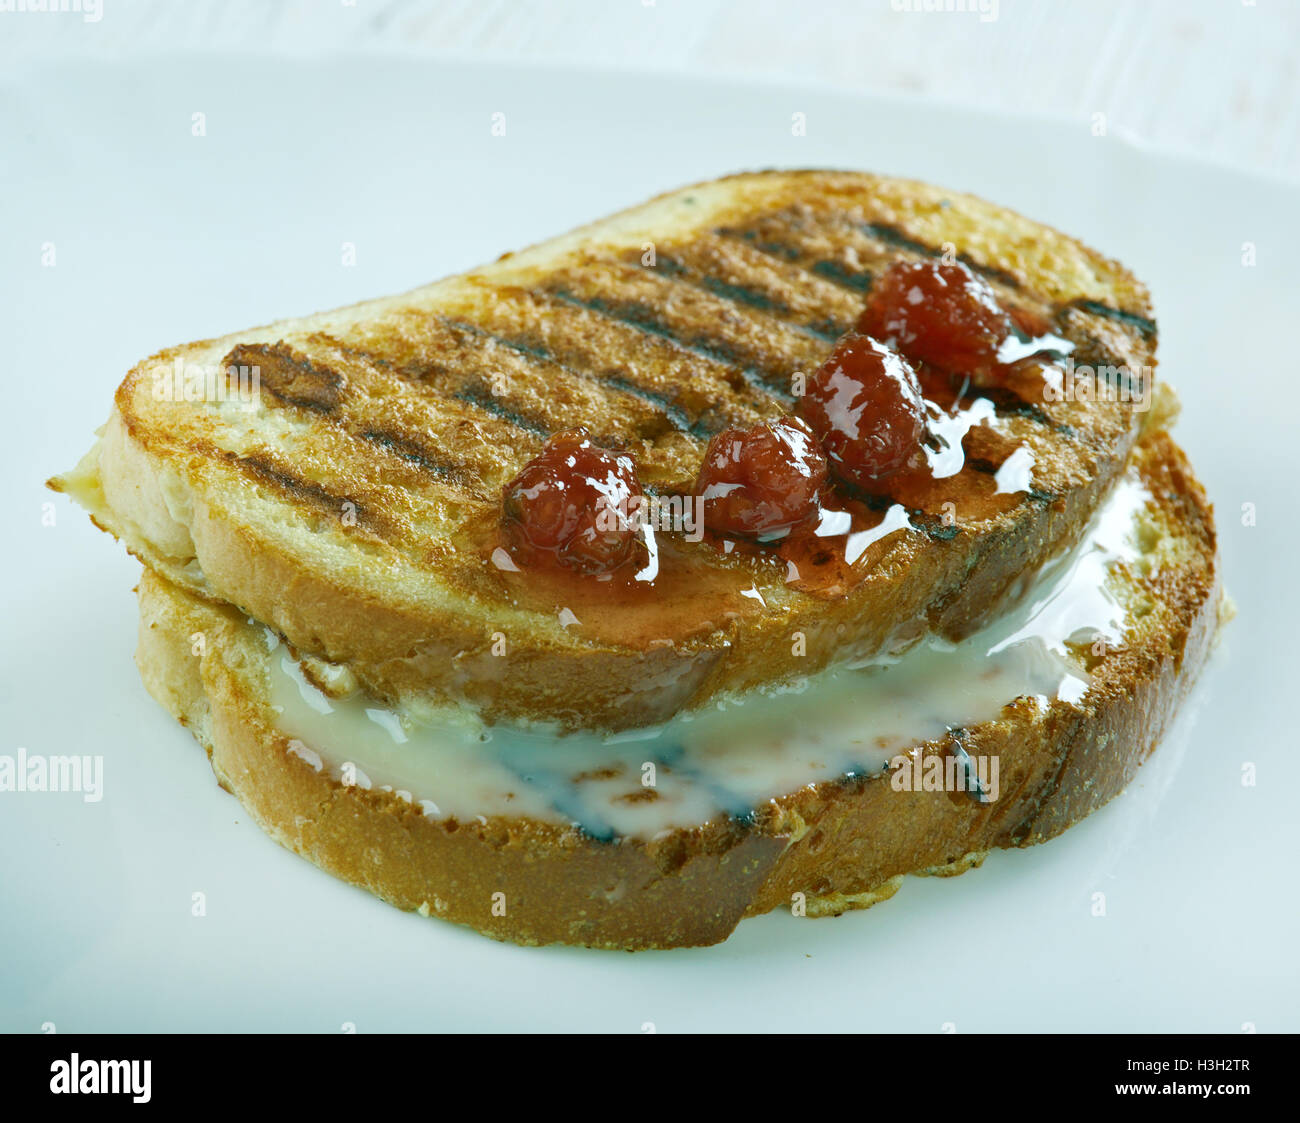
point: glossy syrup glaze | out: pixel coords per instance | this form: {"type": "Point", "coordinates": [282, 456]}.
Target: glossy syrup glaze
{"type": "Point", "coordinates": [692, 579]}
{"type": "Point", "coordinates": [729, 758]}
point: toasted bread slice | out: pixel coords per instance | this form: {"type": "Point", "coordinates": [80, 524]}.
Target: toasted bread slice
{"type": "Point", "coordinates": [354, 510]}
{"type": "Point", "coordinates": [841, 843]}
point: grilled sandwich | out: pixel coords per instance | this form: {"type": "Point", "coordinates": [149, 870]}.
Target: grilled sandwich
{"type": "Point", "coordinates": [353, 510]}
{"type": "Point", "coordinates": [815, 802]}
{"type": "Point", "coordinates": [972, 627]}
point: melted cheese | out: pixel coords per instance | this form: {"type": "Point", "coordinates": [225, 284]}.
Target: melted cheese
{"type": "Point", "coordinates": [731, 756]}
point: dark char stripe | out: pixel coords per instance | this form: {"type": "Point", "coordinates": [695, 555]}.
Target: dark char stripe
{"type": "Point", "coordinates": [675, 415]}
{"type": "Point", "coordinates": [412, 452]}
{"type": "Point", "coordinates": [1009, 404]}
{"type": "Point", "coordinates": [474, 393]}
{"type": "Point", "coordinates": [827, 270]}
{"type": "Point", "coordinates": [736, 293]}
{"type": "Point", "coordinates": [772, 249]}
{"type": "Point", "coordinates": [893, 236]}
{"type": "Point", "coordinates": [1147, 327]}
{"type": "Point", "coordinates": [480, 397]}
{"type": "Point", "coordinates": [860, 281]}
{"type": "Point", "coordinates": [288, 376]}
{"type": "Point", "coordinates": [535, 354]}
{"type": "Point", "coordinates": [935, 528]}
{"type": "Point", "coordinates": [642, 317]}
{"type": "Point", "coordinates": [727, 290]}
{"type": "Point", "coordinates": [837, 273]}
{"type": "Point", "coordinates": [304, 490]}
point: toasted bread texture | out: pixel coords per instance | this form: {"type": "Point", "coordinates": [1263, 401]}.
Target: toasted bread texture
{"type": "Point", "coordinates": [353, 509]}
{"type": "Point", "coordinates": [830, 847]}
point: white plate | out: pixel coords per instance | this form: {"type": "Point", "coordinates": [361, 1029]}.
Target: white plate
{"type": "Point", "coordinates": [162, 236]}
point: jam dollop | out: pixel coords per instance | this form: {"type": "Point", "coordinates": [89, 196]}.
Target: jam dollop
{"type": "Point", "coordinates": [574, 505]}
{"type": "Point", "coordinates": [761, 482]}
{"type": "Point", "coordinates": [938, 312]}
{"type": "Point", "coordinates": [865, 404]}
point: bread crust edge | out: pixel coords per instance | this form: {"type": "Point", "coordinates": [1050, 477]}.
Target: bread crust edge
{"type": "Point", "coordinates": [822, 850]}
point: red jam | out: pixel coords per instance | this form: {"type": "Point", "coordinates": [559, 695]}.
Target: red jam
{"type": "Point", "coordinates": [571, 506]}
{"type": "Point", "coordinates": [866, 406]}
{"type": "Point", "coordinates": [763, 492]}
{"type": "Point", "coordinates": [940, 313]}
{"type": "Point", "coordinates": [761, 482]}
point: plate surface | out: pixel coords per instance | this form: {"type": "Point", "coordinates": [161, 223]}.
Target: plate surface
{"type": "Point", "coordinates": [127, 231]}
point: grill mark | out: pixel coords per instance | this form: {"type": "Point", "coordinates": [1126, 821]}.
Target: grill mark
{"type": "Point", "coordinates": [298, 488]}
{"type": "Point", "coordinates": [880, 232]}
{"type": "Point", "coordinates": [711, 415]}
{"type": "Point", "coordinates": [838, 274]}
{"type": "Point", "coordinates": [473, 392]}
{"type": "Point", "coordinates": [289, 376]}
{"type": "Point", "coordinates": [1006, 403]}
{"type": "Point", "coordinates": [662, 262]}
{"type": "Point", "coordinates": [1014, 406]}
{"type": "Point", "coordinates": [894, 236]}
{"type": "Point", "coordinates": [993, 272]}
{"type": "Point", "coordinates": [727, 290]}
{"type": "Point", "coordinates": [479, 396]}
{"type": "Point", "coordinates": [827, 269]}
{"type": "Point", "coordinates": [824, 330]}
{"type": "Point", "coordinates": [353, 351]}
{"type": "Point", "coordinates": [1145, 326]}
{"type": "Point", "coordinates": [1095, 354]}
{"type": "Point", "coordinates": [535, 355]}
{"type": "Point", "coordinates": [641, 317]}
{"type": "Point", "coordinates": [674, 414]}
{"type": "Point", "coordinates": [589, 357]}
{"type": "Point", "coordinates": [295, 366]}
{"type": "Point", "coordinates": [934, 528]}
{"type": "Point", "coordinates": [414, 453]}
{"type": "Point", "coordinates": [772, 249]}
{"type": "Point", "coordinates": [726, 395]}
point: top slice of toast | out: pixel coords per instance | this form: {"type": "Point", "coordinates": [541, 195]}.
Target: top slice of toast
{"type": "Point", "coordinates": [351, 505]}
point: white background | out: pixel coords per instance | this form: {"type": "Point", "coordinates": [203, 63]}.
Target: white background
{"type": "Point", "coordinates": [1217, 78]}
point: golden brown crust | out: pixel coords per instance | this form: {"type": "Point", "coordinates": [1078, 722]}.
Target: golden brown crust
{"type": "Point", "coordinates": [840, 844]}
{"type": "Point", "coordinates": [346, 513]}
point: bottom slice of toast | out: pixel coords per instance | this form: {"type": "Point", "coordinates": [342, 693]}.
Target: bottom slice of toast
{"type": "Point", "coordinates": [819, 848]}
